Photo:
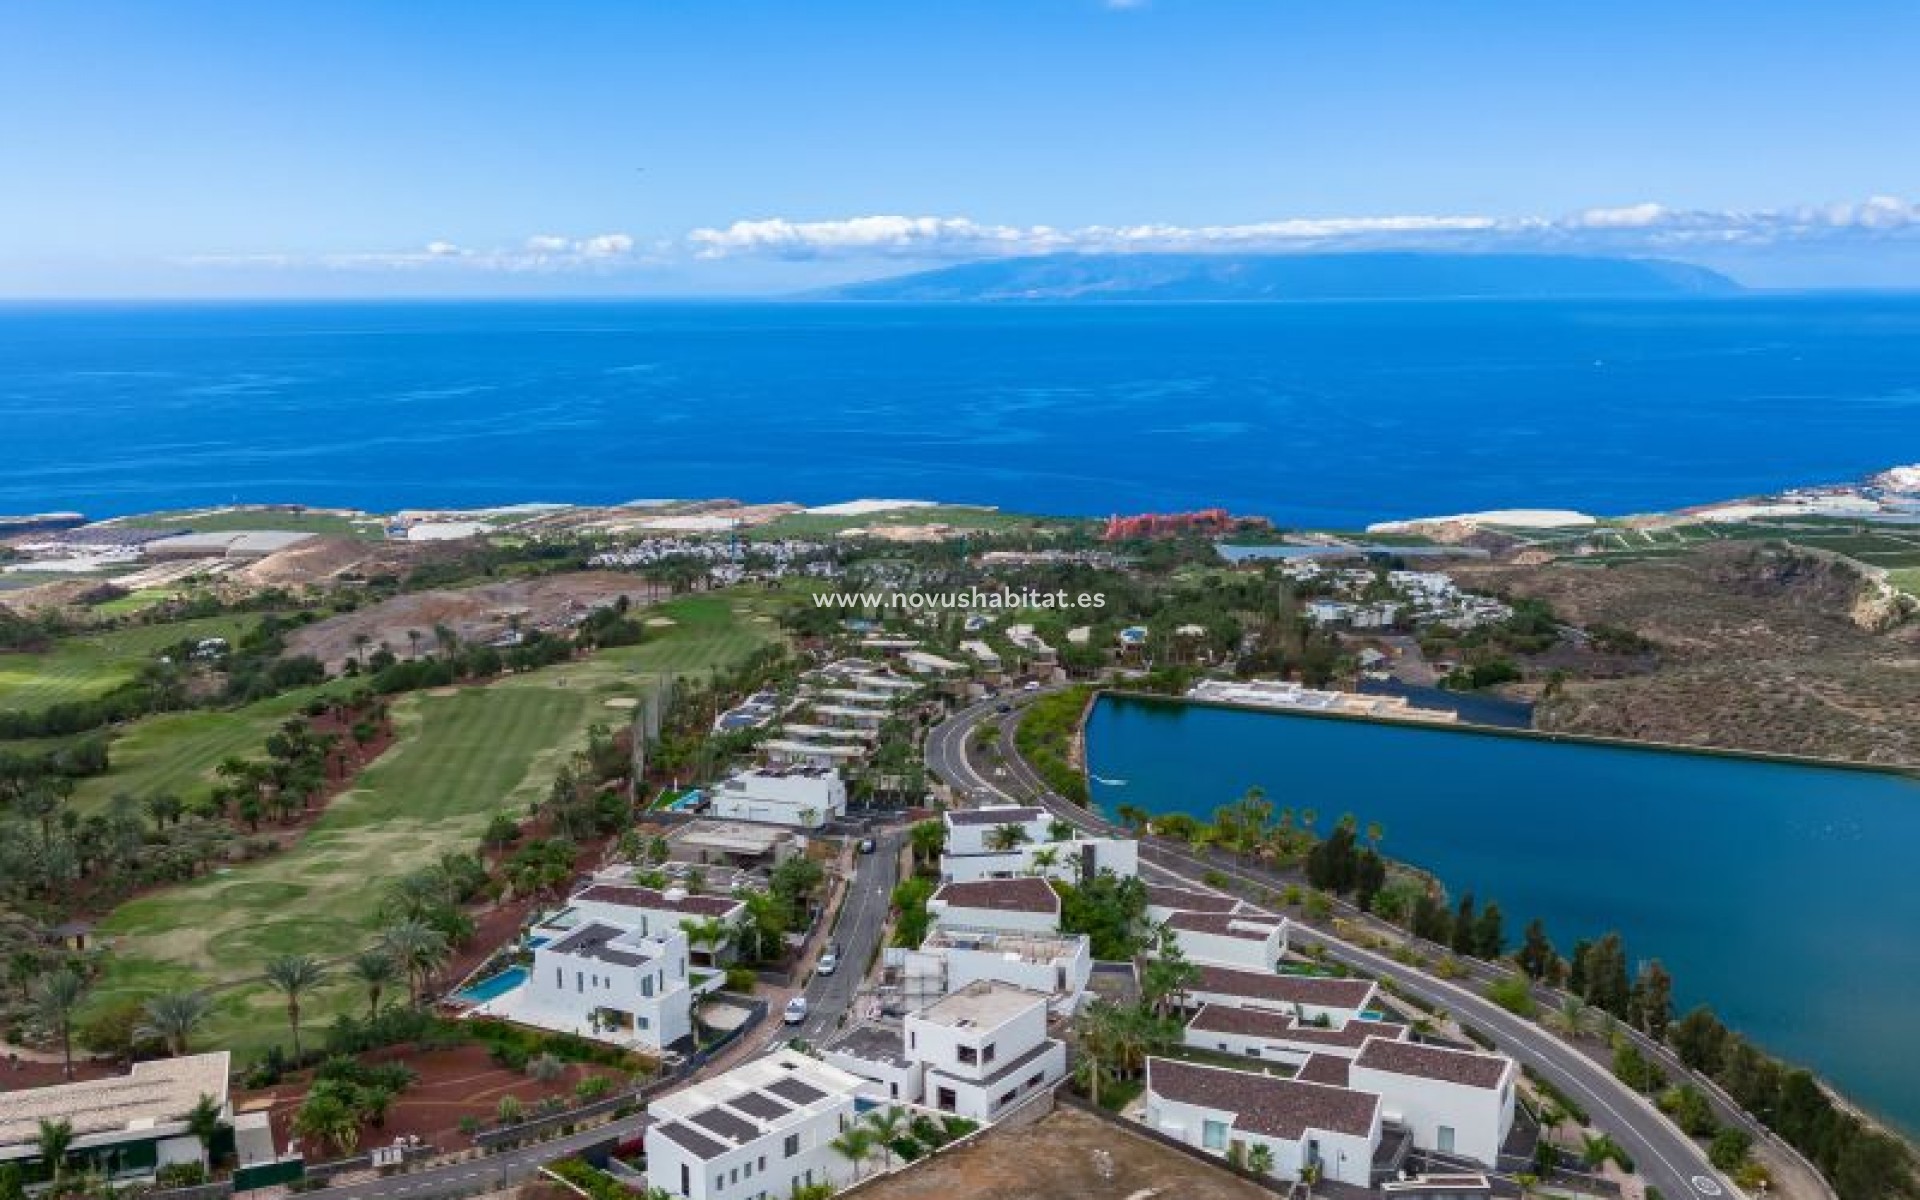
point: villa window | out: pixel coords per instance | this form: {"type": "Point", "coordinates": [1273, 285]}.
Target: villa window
{"type": "Point", "coordinates": [793, 1144]}
{"type": "Point", "coordinates": [986, 1056]}
{"type": "Point", "coordinates": [1213, 1135]}
{"type": "Point", "coordinates": [969, 1055]}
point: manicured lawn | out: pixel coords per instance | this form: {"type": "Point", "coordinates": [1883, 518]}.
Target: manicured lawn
{"type": "Point", "coordinates": [290, 522]}
{"type": "Point", "coordinates": [1906, 579]}
{"type": "Point", "coordinates": [78, 668]}
{"type": "Point", "coordinates": [459, 759]}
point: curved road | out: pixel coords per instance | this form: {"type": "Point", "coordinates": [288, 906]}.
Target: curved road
{"type": "Point", "coordinates": [1666, 1157]}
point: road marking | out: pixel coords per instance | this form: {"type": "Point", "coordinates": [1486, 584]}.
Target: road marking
{"type": "Point", "coordinates": [1706, 1187]}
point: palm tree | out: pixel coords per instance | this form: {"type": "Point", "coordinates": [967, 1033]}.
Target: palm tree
{"type": "Point", "coordinates": [203, 1122]}
{"type": "Point", "coordinates": [1090, 1072]}
{"type": "Point", "coordinates": [855, 1145]}
{"type": "Point", "coordinates": [173, 1018]}
{"type": "Point", "coordinates": [420, 949]}
{"type": "Point", "coordinates": [1006, 837]}
{"type": "Point", "coordinates": [712, 934]}
{"type": "Point", "coordinates": [1260, 1159]}
{"type": "Point", "coordinates": [55, 997]}
{"type": "Point", "coordinates": [886, 1127]}
{"type": "Point", "coordinates": [1058, 830]}
{"type": "Point", "coordinates": [928, 839]}
{"type": "Point", "coordinates": [326, 1119]}
{"type": "Point", "coordinates": [1374, 833]}
{"type": "Point", "coordinates": [375, 969]}
{"type": "Point", "coordinates": [55, 1138]}
{"type": "Point", "coordinates": [295, 975]}
{"type": "Point", "coordinates": [1043, 860]}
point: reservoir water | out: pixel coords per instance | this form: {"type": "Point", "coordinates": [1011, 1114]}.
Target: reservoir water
{"type": "Point", "coordinates": [1783, 895]}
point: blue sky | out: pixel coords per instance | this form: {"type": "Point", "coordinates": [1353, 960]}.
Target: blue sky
{"type": "Point", "coordinates": [712, 146]}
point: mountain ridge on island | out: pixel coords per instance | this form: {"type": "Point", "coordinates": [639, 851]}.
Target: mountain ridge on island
{"type": "Point", "coordinates": [1272, 278]}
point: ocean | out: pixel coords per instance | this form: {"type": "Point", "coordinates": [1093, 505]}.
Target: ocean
{"type": "Point", "coordinates": [1318, 414]}
{"type": "Point", "coordinates": [1780, 894]}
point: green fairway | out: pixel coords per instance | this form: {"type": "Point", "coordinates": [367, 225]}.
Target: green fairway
{"type": "Point", "coordinates": [84, 666]}
{"type": "Point", "coordinates": [1907, 580]}
{"type": "Point", "coordinates": [225, 520]}
{"type": "Point", "coordinates": [460, 758]}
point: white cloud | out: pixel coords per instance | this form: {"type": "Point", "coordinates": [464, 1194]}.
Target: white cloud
{"type": "Point", "coordinates": [1643, 227]}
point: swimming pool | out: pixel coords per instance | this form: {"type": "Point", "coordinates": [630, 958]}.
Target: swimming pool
{"type": "Point", "coordinates": [494, 986]}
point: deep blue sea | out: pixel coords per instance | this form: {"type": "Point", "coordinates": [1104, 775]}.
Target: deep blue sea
{"type": "Point", "coordinates": [1783, 895]}
{"type": "Point", "coordinates": [1323, 414]}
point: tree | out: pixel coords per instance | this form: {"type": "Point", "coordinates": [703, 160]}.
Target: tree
{"type": "Point", "coordinates": [1462, 941]}
{"type": "Point", "coordinates": [928, 839]}
{"type": "Point", "coordinates": [1260, 1159]}
{"type": "Point", "coordinates": [886, 1124]}
{"type": "Point", "coordinates": [326, 1119]}
{"type": "Point", "coordinates": [203, 1122]}
{"type": "Point", "coordinates": [1489, 933]}
{"type": "Point", "coordinates": [55, 997]}
{"type": "Point", "coordinates": [1536, 956]}
{"type": "Point", "coordinates": [1605, 975]}
{"type": "Point", "coordinates": [1700, 1040]}
{"type": "Point", "coordinates": [1651, 1003]}
{"type": "Point", "coordinates": [710, 933]}
{"type": "Point", "coordinates": [293, 976]}
{"type": "Point", "coordinates": [1165, 974]}
{"type": "Point", "coordinates": [1006, 837]}
{"type": "Point", "coordinates": [173, 1018]}
{"type": "Point", "coordinates": [420, 950]}
{"type": "Point", "coordinates": [375, 970]}
{"type": "Point", "coordinates": [54, 1140]}
{"type": "Point", "coordinates": [855, 1145]}
{"type": "Point", "coordinates": [1097, 1032]}
{"type": "Point", "coordinates": [1059, 830]}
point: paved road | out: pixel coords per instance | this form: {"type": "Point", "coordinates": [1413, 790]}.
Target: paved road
{"type": "Point", "coordinates": [1666, 1157]}
{"type": "Point", "coordinates": [856, 934]}
{"type": "Point", "coordinates": [857, 931]}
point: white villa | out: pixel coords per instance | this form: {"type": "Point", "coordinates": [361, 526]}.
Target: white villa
{"type": "Point", "coordinates": [1071, 860]}
{"type": "Point", "coordinates": [761, 1129]}
{"type": "Point", "coordinates": [806, 796]}
{"type": "Point", "coordinates": [984, 1049]}
{"type": "Point", "coordinates": [128, 1126]}
{"type": "Point", "coordinates": [1310, 999]}
{"type": "Point", "coordinates": [1020, 905]}
{"type": "Point", "coordinates": [1301, 1124]}
{"type": "Point", "coordinates": [976, 1053]}
{"type": "Point", "coordinates": [971, 830]}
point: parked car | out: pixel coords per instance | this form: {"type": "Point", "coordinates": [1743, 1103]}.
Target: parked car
{"type": "Point", "coordinates": [866, 845]}
{"type": "Point", "coordinates": [796, 1010]}
{"type": "Point", "coordinates": [829, 963]}
{"type": "Point", "coordinates": [1032, 685]}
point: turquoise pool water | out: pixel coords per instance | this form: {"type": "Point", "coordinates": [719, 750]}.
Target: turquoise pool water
{"type": "Point", "coordinates": [1783, 895]}
{"type": "Point", "coordinates": [494, 986]}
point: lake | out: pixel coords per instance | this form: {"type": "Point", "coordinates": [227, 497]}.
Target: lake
{"type": "Point", "coordinates": [1781, 894]}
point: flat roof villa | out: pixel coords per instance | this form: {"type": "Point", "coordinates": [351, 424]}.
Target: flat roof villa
{"type": "Point", "coordinates": [1281, 694]}
{"type": "Point", "coordinates": [763, 1128]}
{"type": "Point", "coordinates": [1163, 901]}
{"type": "Point", "coordinates": [129, 1125]}
{"type": "Point", "coordinates": [949, 959]}
{"type": "Point", "coordinates": [1231, 940]}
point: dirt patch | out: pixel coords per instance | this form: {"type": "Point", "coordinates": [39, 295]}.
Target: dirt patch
{"type": "Point", "coordinates": [1067, 1153]}
{"type": "Point", "coordinates": [455, 1083]}
{"type": "Point", "coordinates": [487, 613]}
{"type": "Point", "coordinates": [1756, 648]}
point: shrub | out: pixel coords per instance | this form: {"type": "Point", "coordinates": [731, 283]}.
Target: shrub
{"type": "Point", "coordinates": [1515, 994]}
{"type": "Point", "coordinates": [742, 980]}
{"type": "Point", "coordinates": [509, 1110]}
{"type": "Point", "coordinates": [1729, 1148]}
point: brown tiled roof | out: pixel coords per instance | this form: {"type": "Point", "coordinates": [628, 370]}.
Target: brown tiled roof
{"type": "Point", "coordinates": [1255, 1022]}
{"type": "Point", "coordinates": [1251, 929]}
{"type": "Point", "coordinates": [1026, 894]}
{"type": "Point", "coordinates": [1265, 1104]}
{"type": "Point", "coordinates": [1188, 900]}
{"type": "Point", "coordinates": [635, 896]}
{"type": "Point", "coordinates": [1465, 1067]}
{"type": "Point", "coordinates": [1329, 1069]}
{"type": "Point", "coordinates": [995, 816]}
{"type": "Point", "coordinates": [1282, 989]}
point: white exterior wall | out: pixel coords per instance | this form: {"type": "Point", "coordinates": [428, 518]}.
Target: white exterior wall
{"type": "Point", "coordinates": [1065, 976]}
{"type": "Point", "coordinates": [650, 922]}
{"type": "Point", "coordinates": [1346, 1157]}
{"type": "Point", "coordinates": [952, 916]}
{"type": "Point", "coordinates": [1337, 1017]}
{"type": "Point", "coordinates": [972, 839]}
{"type": "Point", "coordinates": [1479, 1118]}
{"type": "Point", "coordinates": [1263, 1049]}
{"type": "Point", "coordinates": [806, 801]}
{"type": "Point", "coordinates": [883, 1080]}
{"type": "Point", "coordinates": [1118, 855]}
{"type": "Point", "coordinates": [985, 1101]}
{"type": "Point", "coordinates": [657, 993]}
{"type": "Point", "coordinates": [740, 1172]}
{"type": "Point", "coordinates": [1224, 951]}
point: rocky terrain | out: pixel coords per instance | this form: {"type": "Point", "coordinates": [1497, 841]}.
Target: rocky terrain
{"type": "Point", "coordinates": [1758, 648]}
